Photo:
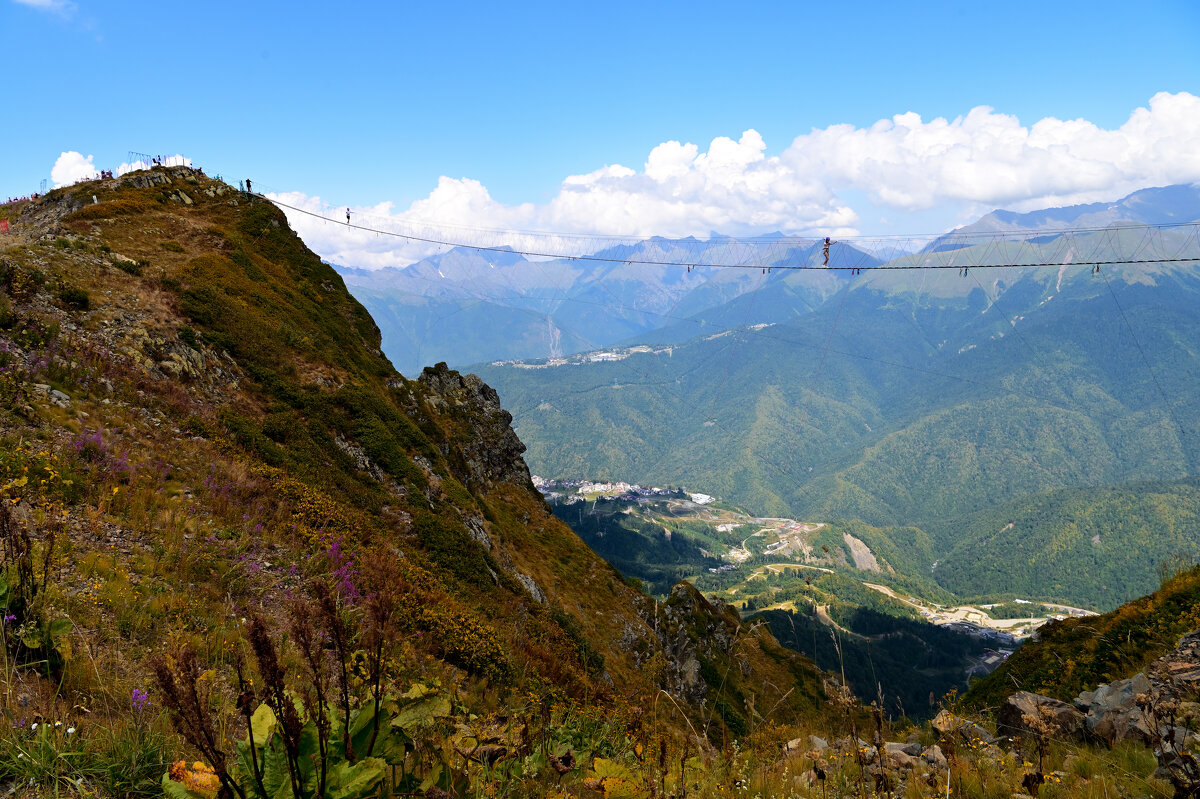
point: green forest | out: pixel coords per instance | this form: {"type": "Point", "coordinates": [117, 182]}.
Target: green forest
{"type": "Point", "coordinates": [1068, 411]}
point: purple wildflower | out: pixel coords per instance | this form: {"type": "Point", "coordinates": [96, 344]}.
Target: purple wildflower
{"type": "Point", "coordinates": [344, 572]}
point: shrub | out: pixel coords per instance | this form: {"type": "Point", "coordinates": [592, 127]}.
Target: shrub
{"type": "Point", "coordinates": [75, 298]}
{"type": "Point", "coordinates": [7, 317]}
{"type": "Point", "coordinates": [451, 548]}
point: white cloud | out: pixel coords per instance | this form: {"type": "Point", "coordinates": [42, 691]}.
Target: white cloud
{"type": "Point", "coordinates": [63, 8]}
{"type": "Point", "coordinates": [72, 167]}
{"type": "Point", "coordinates": [173, 160]}
{"type": "Point", "coordinates": [991, 159]}
{"type": "Point", "coordinates": [982, 160]}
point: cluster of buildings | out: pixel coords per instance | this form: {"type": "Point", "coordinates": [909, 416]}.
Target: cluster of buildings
{"type": "Point", "coordinates": [569, 491]}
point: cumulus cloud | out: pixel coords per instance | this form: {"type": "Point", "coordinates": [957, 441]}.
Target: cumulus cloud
{"type": "Point", "coordinates": [989, 158]}
{"type": "Point", "coordinates": [984, 159]}
{"type": "Point", "coordinates": [172, 160]}
{"type": "Point", "coordinates": [72, 167]}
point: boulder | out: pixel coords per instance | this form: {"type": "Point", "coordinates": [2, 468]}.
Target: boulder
{"type": "Point", "coordinates": [934, 757]}
{"type": "Point", "coordinates": [947, 723]}
{"type": "Point", "coordinates": [912, 749]}
{"type": "Point", "coordinates": [1019, 711]}
{"type": "Point", "coordinates": [897, 757]}
{"type": "Point", "coordinates": [1179, 670]}
{"type": "Point", "coordinates": [1112, 712]}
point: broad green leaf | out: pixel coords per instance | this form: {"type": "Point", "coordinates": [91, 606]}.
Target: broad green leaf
{"type": "Point", "coordinates": [431, 779]}
{"type": "Point", "coordinates": [346, 781]}
{"type": "Point", "coordinates": [360, 728]}
{"type": "Point", "coordinates": [422, 713]}
{"type": "Point", "coordinates": [418, 691]}
{"type": "Point", "coordinates": [617, 781]}
{"type": "Point", "coordinates": [310, 747]}
{"type": "Point", "coordinates": [603, 769]}
{"type": "Point", "coordinates": [273, 761]}
{"type": "Point", "coordinates": [623, 789]}
{"type": "Point", "coordinates": [262, 723]}
{"type": "Point", "coordinates": [59, 628]}
{"type": "Point", "coordinates": [244, 774]}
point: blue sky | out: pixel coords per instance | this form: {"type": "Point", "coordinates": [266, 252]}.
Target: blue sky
{"type": "Point", "coordinates": [370, 104]}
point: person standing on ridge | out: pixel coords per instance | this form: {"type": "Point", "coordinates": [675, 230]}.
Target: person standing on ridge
{"type": "Point", "coordinates": [825, 250]}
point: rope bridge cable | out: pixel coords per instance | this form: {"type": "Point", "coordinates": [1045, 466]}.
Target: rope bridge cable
{"type": "Point", "coordinates": [1067, 251]}
{"type": "Point", "coordinates": [940, 251]}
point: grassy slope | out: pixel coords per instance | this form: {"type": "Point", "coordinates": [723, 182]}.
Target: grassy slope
{"type": "Point", "coordinates": [1074, 655]}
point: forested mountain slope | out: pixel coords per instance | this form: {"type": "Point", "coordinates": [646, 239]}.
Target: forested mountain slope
{"type": "Point", "coordinates": [1093, 546]}
{"type": "Point", "coordinates": [902, 400]}
{"type": "Point", "coordinates": [892, 408]}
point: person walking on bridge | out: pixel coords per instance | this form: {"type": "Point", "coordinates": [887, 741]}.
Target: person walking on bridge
{"type": "Point", "coordinates": [825, 250]}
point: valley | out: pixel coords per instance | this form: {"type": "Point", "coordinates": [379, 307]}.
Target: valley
{"type": "Point", "coordinates": [720, 544]}
{"type": "Point", "coordinates": [808, 580]}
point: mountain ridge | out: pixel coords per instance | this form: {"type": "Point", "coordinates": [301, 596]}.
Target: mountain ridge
{"type": "Point", "coordinates": [210, 390]}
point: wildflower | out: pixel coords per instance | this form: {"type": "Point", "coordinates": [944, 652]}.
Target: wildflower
{"type": "Point", "coordinates": [9, 617]}
{"type": "Point", "coordinates": [139, 699]}
{"type": "Point", "coordinates": [70, 730]}
{"type": "Point", "coordinates": [34, 726]}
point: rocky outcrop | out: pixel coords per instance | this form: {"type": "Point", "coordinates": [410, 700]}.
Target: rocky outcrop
{"type": "Point", "coordinates": [490, 450]}
{"type": "Point", "coordinates": [1112, 712]}
{"type": "Point", "coordinates": [532, 587]}
{"type": "Point", "coordinates": [1116, 711]}
{"type": "Point", "coordinates": [1028, 715]}
{"type": "Point", "coordinates": [1179, 670]}
{"type": "Point", "coordinates": [362, 462]}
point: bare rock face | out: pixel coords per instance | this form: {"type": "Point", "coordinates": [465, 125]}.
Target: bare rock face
{"type": "Point", "coordinates": [1112, 712]}
{"type": "Point", "coordinates": [490, 450]}
{"type": "Point", "coordinates": [1023, 713]}
{"type": "Point", "coordinates": [1179, 670]}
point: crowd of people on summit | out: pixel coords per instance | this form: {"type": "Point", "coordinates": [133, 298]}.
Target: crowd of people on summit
{"type": "Point", "coordinates": [105, 174]}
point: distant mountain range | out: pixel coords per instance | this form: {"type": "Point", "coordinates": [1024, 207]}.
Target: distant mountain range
{"type": "Point", "coordinates": [468, 306]}
{"type": "Point", "coordinates": [1180, 203]}
{"type": "Point", "coordinates": [909, 408]}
